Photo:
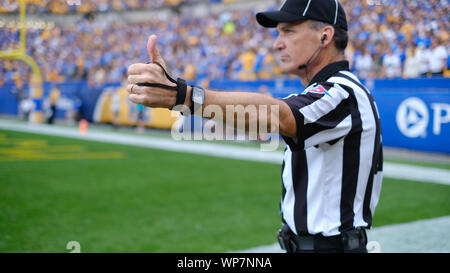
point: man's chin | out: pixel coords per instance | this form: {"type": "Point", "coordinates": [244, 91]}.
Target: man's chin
{"type": "Point", "coordinates": [290, 69]}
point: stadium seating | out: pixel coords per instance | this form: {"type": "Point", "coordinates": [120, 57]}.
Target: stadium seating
{"type": "Point", "coordinates": [83, 6]}
{"type": "Point", "coordinates": [389, 39]}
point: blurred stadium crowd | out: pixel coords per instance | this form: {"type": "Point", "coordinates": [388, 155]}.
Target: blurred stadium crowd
{"type": "Point", "coordinates": [388, 39]}
{"type": "Point", "coordinates": [83, 6]}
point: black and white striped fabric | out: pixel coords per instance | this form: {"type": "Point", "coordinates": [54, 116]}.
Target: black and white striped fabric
{"type": "Point", "coordinates": [332, 169]}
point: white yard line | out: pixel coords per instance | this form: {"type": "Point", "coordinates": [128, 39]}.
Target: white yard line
{"type": "Point", "coordinates": [392, 170]}
{"type": "Point", "coordinates": [422, 236]}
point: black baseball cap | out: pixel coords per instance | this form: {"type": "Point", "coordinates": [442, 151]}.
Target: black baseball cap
{"type": "Point", "coordinates": [328, 11]}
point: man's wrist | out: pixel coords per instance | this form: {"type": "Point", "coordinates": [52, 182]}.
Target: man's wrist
{"type": "Point", "coordinates": [187, 101]}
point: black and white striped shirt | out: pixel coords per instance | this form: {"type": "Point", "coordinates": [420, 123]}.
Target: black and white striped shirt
{"type": "Point", "coordinates": [332, 169]}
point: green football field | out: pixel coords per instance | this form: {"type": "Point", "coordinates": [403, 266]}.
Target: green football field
{"type": "Point", "coordinates": [117, 198]}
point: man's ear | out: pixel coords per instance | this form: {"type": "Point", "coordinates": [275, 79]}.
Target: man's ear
{"type": "Point", "coordinates": [327, 35]}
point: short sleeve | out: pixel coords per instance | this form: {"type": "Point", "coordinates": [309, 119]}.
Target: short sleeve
{"type": "Point", "coordinates": [322, 115]}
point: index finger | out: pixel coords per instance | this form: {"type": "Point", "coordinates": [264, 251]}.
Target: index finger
{"type": "Point", "coordinates": [137, 68]}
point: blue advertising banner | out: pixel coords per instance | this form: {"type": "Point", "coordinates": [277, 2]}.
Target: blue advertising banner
{"type": "Point", "coordinates": [415, 113]}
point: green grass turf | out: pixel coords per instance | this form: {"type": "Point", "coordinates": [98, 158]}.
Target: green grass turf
{"type": "Point", "coordinates": [404, 201]}
{"type": "Point", "coordinates": [159, 201]}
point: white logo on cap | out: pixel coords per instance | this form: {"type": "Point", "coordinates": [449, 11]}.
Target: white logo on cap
{"type": "Point", "coordinates": [412, 118]}
{"type": "Point", "coordinates": [306, 9]}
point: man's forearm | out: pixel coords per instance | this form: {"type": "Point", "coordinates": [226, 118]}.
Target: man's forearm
{"type": "Point", "coordinates": [248, 111]}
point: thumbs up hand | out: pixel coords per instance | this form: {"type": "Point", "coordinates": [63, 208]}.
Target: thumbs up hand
{"type": "Point", "coordinates": [153, 52]}
{"type": "Point", "coordinates": [150, 73]}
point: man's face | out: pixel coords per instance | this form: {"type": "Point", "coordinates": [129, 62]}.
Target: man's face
{"type": "Point", "coordinates": [296, 43]}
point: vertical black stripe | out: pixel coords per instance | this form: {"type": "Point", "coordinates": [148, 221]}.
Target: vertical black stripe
{"type": "Point", "coordinates": [300, 185]}
{"type": "Point", "coordinates": [283, 189]}
{"type": "Point", "coordinates": [377, 163]}
{"type": "Point", "coordinates": [377, 158]}
{"type": "Point", "coordinates": [351, 156]}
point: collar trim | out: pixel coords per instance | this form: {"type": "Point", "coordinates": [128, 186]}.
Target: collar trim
{"type": "Point", "coordinates": [329, 70]}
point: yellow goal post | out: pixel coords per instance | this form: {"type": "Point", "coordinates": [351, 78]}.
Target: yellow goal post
{"type": "Point", "coordinates": [35, 84]}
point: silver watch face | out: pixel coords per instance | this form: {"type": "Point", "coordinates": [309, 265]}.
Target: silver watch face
{"type": "Point", "coordinates": [198, 95]}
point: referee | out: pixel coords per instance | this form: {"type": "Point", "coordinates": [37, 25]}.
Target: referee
{"type": "Point", "coordinates": [332, 168]}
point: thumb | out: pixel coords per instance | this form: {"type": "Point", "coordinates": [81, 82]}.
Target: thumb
{"type": "Point", "coordinates": [153, 52]}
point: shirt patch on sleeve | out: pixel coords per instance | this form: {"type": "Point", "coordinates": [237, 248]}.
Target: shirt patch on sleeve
{"type": "Point", "coordinates": [317, 89]}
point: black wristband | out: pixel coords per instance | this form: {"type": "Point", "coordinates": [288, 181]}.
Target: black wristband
{"type": "Point", "coordinates": [181, 94]}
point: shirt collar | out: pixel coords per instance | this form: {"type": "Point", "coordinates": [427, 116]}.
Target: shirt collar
{"type": "Point", "coordinates": [329, 71]}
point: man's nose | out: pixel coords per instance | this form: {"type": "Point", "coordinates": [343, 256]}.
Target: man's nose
{"type": "Point", "coordinates": [278, 44]}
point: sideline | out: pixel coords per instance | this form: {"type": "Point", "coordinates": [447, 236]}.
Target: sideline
{"type": "Point", "coordinates": [392, 170]}
{"type": "Point", "coordinates": [398, 238]}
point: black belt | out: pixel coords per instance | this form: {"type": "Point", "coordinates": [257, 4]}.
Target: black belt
{"type": "Point", "coordinates": [349, 241]}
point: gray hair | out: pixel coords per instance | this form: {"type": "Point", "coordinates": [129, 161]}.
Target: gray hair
{"type": "Point", "coordinates": [340, 37]}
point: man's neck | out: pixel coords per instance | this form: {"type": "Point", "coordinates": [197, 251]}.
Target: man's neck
{"type": "Point", "coordinates": [307, 74]}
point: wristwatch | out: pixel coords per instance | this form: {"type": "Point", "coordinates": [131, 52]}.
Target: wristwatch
{"type": "Point", "coordinates": [197, 98]}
